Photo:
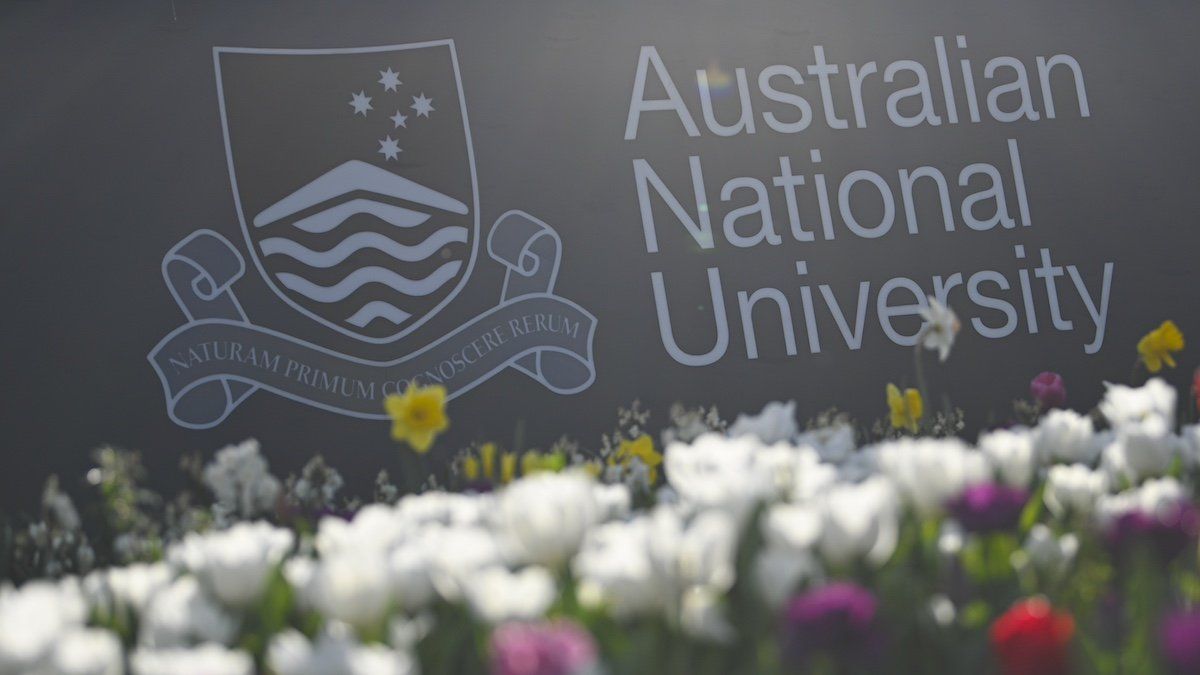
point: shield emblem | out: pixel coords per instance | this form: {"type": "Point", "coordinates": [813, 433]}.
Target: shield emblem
{"type": "Point", "coordinates": [354, 179]}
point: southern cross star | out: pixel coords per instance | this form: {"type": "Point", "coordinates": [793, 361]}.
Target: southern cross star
{"type": "Point", "coordinates": [389, 148]}
{"type": "Point", "coordinates": [361, 103]}
{"type": "Point", "coordinates": [399, 120]}
{"type": "Point", "coordinates": [390, 80]}
{"type": "Point", "coordinates": [422, 105]}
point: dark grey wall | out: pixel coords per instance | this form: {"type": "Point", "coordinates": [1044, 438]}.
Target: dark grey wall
{"type": "Point", "coordinates": [111, 151]}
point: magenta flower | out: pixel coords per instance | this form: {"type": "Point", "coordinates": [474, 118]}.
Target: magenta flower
{"type": "Point", "coordinates": [1049, 390]}
{"type": "Point", "coordinates": [1179, 639]}
{"type": "Point", "coordinates": [988, 507]}
{"type": "Point", "coordinates": [837, 620]}
{"type": "Point", "coordinates": [556, 648]}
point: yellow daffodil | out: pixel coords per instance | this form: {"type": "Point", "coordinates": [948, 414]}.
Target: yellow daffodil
{"type": "Point", "coordinates": [1156, 347]}
{"type": "Point", "coordinates": [418, 415]}
{"type": "Point", "coordinates": [482, 465]}
{"type": "Point", "coordinates": [907, 408]}
{"type": "Point", "coordinates": [642, 449]}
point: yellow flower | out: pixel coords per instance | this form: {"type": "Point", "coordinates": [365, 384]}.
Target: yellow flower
{"type": "Point", "coordinates": [534, 462]}
{"type": "Point", "coordinates": [641, 448]}
{"type": "Point", "coordinates": [906, 408]}
{"type": "Point", "coordinates": [481, 464]}
{"type": "Point", "coordinates": [1156, 347]}
{"type": "Point", "coordinates": [418, 415]}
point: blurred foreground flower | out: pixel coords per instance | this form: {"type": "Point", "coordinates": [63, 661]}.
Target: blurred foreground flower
{"type": "Point", "coordinates": [906, 408]}
{"type": "Point", "coordinates": [940, 328]}
{"type": "Point", "coordinates": [1049, 390]}
{"type": "Point", "coordinates": [837, 620]}
{"type": "Point", "coordinates": [640, 449]}
{"type": "Point", "coordinates": [1156, 347]}
{"type": "Point", "coordinates": [559, 648]}
{"type": "Point", "coordinates": [418, 415]}
{"type": "Point", "coordinates": [1179, 638]}
{"type": "Point", "coordinates": [989, 507]}
{"type": "Point", "coordinates": [1032, 639]}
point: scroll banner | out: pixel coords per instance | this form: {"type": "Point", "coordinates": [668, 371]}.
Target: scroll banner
{"type": "Point", "coordinates": [211, 364]}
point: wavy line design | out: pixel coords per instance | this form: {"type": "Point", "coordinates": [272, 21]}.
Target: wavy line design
{"type": "Point", "coordinates": [332, 217]}
{"type": "Point", "coordinates": [378, 309]}
{"type": "Point", "coordinates": [371, 275]}
{"type": "Point", "coordinates": [364, 240]}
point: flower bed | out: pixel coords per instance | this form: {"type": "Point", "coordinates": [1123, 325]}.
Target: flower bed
{"type": "Point", "coordinates": [1068, 544]}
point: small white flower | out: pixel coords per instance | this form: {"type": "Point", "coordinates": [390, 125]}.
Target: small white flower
{"type": "Point", "coordinates": [241, 482]}
{"type": "Point", "coordinates": [235, 564]}
{"type": "Point", "coordinates": [834, 443]}
{"type": "Point", "coordinates": [1011, 452]}
{"type": "Point", "coordinates": [1065, 436]}
{"type": "Point", "coordinates": [87, 651]}
{"type": "Point", "coordinates": [543, 518]}
{"type": "Point", "coordinates": [208, 659]}
{"type": "Point", "coordinates": [1073, 488]}
{"type": "Point", "coordinates": [951, 538]}
{"type": "Point", "coordinates": [182, 614]}
{"type": "Point", "coordinates": [940, 328]}
{"type": "Point", "coordinates": [496, 594]}
{"type": "Point", "coordinates": [776, 423]}
{"type": "Point", "coordinates": [1050, 555]}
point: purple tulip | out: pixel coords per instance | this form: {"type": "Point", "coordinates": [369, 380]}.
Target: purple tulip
{"type": "Point", "coordinates": [1049, 390]}
{"type": "Point", "coordinates": [988, 507]}
{"type": "Point", "coordinates": [1168, 533]}
{"type": "Point", "coordinates": [837, 619]}
{"type": "Point", "coordinates": [1179, 638]}
{"type": "Point", "coordinates": [557, 648]}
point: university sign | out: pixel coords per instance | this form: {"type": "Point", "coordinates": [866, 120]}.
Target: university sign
{"type": "Point", "coordinates": [360, 248]}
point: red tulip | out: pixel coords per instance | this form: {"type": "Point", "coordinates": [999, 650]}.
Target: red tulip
{"type": "Point", "coordinates": [1031, 639]}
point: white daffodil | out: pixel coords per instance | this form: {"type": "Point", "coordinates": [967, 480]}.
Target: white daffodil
{"type": "Point", "coordinates": [776, 423]}
{"type": "Point", "coordinates": [207, 659]}
{"type": "Point", "coordinates": [940, 328]}
{"type": "Point", "coordinates": [234, 564]}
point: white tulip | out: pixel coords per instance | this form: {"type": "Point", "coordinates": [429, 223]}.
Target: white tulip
{"type": "Point", "coordinates": [543, 518]}
{"type": "Point", "coordinates": [859, 521]}
{"type": "Point", "coordinates": [776, 423]}
{"type": "Point", "coordinates": [834, 443]}
{"type": "Point", "coordinates": [779, 570]}
{"type": "Point", "coordinates": [1049, 554]}
{"type": "Point", "coordinates": [1156, 498]}
{"type": "Point", "coordinates": [719, 473]}
{"type": "Point", "coordinates": [33, 618]}
{"type": "Point", "coordinates": [1065, 436]}
{"type": "Point", "coordinates": [929, 472]}
{"type": "Point", "coordinates": [208, 659]}
{"type": "Point", "coordinates": [1073, 488]}
{"type": "Point", "coordinates": [182, 614]}
{"type": "Point", "coordinates": [1011, 452]}
{"type": "Point", "coordinates": [235, 564]}
{"type": "Point", "coordinates": [496, 594]}
{"type": "Point", "coordinates": [1140, 449]}
{"type": "Point", "coordinates": [350, 586]}
{"type": "Point", "coordinates": [335, 652]}
{"type": "Point", "coordinates": [614, 569]}
{"type": "Point", "coordinates": [701, 616]}
{"type": "Point", "coordinates": [1123, 404]}
{"type": "Point", "coordinates": [87, 651]}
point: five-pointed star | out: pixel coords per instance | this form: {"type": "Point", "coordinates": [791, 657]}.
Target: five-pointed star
{"type": "Point", "coordinates": [399, 120]}
{"type": "Point", "coordinates": [361, 103]}
{"type": "Point", "coordinates": [389, 148]}
{"type": "Point", "coordinates": [390, 80]}
{"type": "Point", "coordinates": [422, 105]}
